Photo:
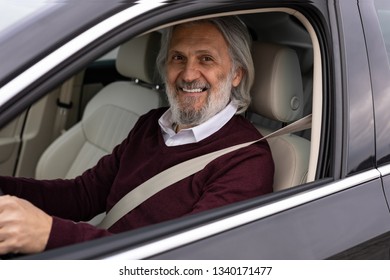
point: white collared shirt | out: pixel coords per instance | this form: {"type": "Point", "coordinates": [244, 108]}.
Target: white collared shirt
{"type": "Point", "coordinates": [197, 133]}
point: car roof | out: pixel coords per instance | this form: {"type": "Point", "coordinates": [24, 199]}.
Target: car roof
{"type": "Point", "coordinates": [50, 24]}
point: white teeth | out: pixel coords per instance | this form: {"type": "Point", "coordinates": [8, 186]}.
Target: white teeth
{"type": "Point", "coordinates": [193, 90]}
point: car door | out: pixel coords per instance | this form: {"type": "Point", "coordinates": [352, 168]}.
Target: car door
{"type": "Point", "coordinates": [342, 207]}
{"type": "Point", "coordinates": [376, 19]}
{"type": "Point", "coordinates": [327, 217]}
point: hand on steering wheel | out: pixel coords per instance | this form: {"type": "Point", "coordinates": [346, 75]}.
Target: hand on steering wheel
{"type": "Point", "coordinates": [24, 228]}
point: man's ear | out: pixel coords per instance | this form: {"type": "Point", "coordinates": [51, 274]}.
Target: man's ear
{"type": "Point", "coordinates": [237, 77]}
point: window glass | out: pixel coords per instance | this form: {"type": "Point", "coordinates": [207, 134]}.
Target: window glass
{"type": "Point", "coordinates": [383, 11]}
{"type": "Point", "coordinates": [18, 13]}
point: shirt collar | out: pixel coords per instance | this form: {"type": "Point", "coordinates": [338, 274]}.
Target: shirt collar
{"type": "Point", "coordinates": [203, 130]}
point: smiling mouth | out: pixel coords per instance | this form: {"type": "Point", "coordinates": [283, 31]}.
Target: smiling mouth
{"type": "Point", "coordinates": [194, 90]}
{"type": "Point", "coordinates": [193, 87]}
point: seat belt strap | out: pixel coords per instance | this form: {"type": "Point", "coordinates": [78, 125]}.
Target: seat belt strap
{"type": "Point", "coordinates": [182, 170]}
{"type": "Point", "coordinates": [64, 104]}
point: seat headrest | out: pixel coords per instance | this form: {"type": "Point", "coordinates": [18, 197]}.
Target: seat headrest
{"type": "Point", "coordinates": [277, 92]}
{"type": "Point", "coordinates": [137, 57]}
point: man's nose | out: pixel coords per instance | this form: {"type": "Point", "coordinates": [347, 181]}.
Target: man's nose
{"type": "Point", "coordinates": [190, 71]}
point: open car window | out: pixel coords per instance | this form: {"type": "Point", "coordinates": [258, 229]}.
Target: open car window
{"type": "Point", "coordinates": [289, 33]}
{"type": "Point", "coordinates": [47, 129]}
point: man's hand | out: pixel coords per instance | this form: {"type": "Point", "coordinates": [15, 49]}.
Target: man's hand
{"type": "Point", "coordinates": [24, 228]}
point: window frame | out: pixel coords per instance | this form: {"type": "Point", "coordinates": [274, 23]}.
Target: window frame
{"type": "Point", "coordinates": [316, 133]}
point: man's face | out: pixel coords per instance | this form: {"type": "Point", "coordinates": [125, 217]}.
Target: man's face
{"type": "Point", "coordinates": [199, 73]}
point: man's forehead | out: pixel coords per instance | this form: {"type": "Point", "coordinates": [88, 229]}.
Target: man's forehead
{"type": "Point", "coordinates": [199, 34]}
{"type": "Point", "coordinates": [195, 24]}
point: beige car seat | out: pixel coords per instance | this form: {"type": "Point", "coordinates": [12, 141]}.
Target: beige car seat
{"type": "Point", "coordinates": [277, 95]}
{"type": "Point", "coordinates": [109, 116]}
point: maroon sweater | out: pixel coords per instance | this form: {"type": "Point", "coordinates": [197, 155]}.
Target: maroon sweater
{"type": "Point", "coordinates": [236, 176]}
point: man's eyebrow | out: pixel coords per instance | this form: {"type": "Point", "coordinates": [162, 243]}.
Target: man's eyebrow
{"type": "Point", "coordinates": [174, 51]}
{"type": "Point", "coordinates": [206, 51]}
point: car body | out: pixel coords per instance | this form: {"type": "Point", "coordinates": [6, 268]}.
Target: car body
{"type": "Point", "coordinates": [340, 212]}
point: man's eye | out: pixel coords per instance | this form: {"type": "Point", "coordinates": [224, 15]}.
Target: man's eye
{"type": "Point", "coordinates": [207, 58]}
{"type": "Point", "coordinates": [177, 57]}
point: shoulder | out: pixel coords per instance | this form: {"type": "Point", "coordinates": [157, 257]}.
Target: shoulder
{"type": "Point", "coordinates": [149, 119]}
{"type": "Point", "coordinates": [145, 126]}
{"type": "Point", "coordinates": [238, 130]}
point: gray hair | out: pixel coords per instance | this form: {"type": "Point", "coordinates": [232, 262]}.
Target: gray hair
{"type": "Point", "coordinates": [239, 43]}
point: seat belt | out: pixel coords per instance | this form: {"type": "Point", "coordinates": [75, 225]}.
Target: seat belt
{"type": "Point", "coordinates": [64, 104]}
{"type": "Point", "coordinates": [182, 170]}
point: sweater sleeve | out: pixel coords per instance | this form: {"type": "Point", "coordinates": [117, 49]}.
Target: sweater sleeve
{"type": "Point", "coordinates": [77, 199]}
{"type": "Point", "coordinates": [70, 202]}
{"type": "Point", "coordinates": [240, 175]}
{"type": "Point", "coordinates": [67, 201]}
{"type": "Point", "coordinates": [66, 232]}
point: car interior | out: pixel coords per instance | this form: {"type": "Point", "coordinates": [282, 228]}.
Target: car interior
{"type": "Point", "coordinates": [71, 127]}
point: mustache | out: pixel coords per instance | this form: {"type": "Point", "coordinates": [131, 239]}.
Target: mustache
{"type": "Point", "coordinates": [193, 85]}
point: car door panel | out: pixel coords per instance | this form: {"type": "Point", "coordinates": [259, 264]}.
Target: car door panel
{"type": "Point", "coordinates": [377, 248]}
{"type": "Point", "coordinates": [359, 131]}
{"type": "Point", "coordinates": [386, 182]}
{"type": "Point", "coordinates": [376, 19]}
{"type": "Point", "coordinates": [316, 230]}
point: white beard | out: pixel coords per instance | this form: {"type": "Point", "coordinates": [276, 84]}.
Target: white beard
{"type": "Point", "coordinates": [185, 114]}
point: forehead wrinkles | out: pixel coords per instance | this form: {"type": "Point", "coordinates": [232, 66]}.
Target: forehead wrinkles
{"type": "Point", "coordinates": [204, 37]}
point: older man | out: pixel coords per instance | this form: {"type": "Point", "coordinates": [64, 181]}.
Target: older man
{"type": "Point", "coordinates": [208, 71]}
